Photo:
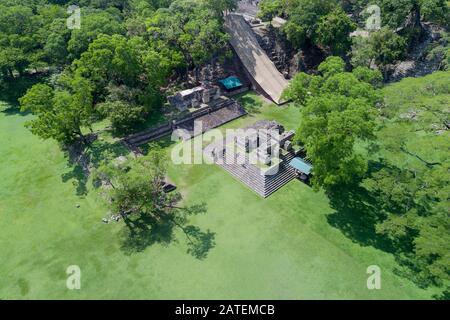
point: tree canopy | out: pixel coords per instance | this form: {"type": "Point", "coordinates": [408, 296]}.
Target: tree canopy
{"type": "Point", "coordinates": [136, 192]}
{"type": "Point", "coordinates": [61, 113]}
{"type": "Point", "coordinates": [338, 110]}
{"type": "Point", "coordinates": [413, 180]}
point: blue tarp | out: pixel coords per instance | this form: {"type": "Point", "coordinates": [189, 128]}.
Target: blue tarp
{"type": "Point", "coordinates": [231, 83]}
{"type": "Point", "coordinates": [301, 165]}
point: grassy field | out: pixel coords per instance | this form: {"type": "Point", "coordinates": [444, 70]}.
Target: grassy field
{"type": "Point", "coordinates": [285, 247]}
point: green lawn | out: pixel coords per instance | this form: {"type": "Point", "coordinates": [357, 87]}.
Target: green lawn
{"type": "Point", "coordinates": [283, 247]}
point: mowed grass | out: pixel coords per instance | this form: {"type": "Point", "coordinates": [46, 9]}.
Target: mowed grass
{"type": "Point", "coordinates": [277, 248]}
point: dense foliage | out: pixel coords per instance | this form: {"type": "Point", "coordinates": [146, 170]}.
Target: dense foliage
{"type": "Point", "coordinates": [338, 111]}
{"type": "Point", "coordinates": [125, 52]}
{"type": "Point", "coordinates": [327, 24]}
{"type": "Point", "coordinates": [413, 180]}
{"type": "Point", "coordinates": [137, 193]}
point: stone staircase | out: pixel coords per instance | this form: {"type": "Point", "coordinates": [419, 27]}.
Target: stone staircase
{"type": "Point", "coordinates": [251, 175]}
{"type": "Point", "coordinates": [285, 175]}
{"type": "Point", "coordinates": [215, 115]}
{"type": "Point", "coordinates": [148, 135]}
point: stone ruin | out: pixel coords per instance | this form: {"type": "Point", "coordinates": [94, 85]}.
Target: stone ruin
{"type": "Point", "coordinates": [195, 97]}
{"type": "Point", "coordinates": [272, 170]}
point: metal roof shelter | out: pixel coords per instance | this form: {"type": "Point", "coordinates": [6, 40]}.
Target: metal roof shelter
{"type": "Point", "coordinates": [231, 83]}
{"type": "Point", "coordinates": [301, 165]}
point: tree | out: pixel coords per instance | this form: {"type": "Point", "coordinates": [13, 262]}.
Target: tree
{"type": "Point", "coordinates": [18, 38]}
{"type": "Point", "coordinates": [333, 32]}
{"type": "Point", "coordinates": [374, 77]}
{"type": "Point", "coordinates": [436, 10]}
{"type": "Point", "coordinates": [330, 128]}
{"type": "Point", "coordinates": [137, 194]}
{"type": "Point", "coordinates": [24, 32]}
{"type": "Point", "coordinates": [60, 114]}
{"type": "Point", "coordinates": [94, 23]}
{"type": "Point", "coordinates": [123, 116]}
{"type": "Point", "coordinates": [190, 29]}
{"type": "Point", "coordinates": [387, 46]}
{"type": "Point", "coordinates": [220, 6]}
{"type": "Point", "coordinates": [337, 113]}
{"type": "Point", "coordinates": [331, 66]}
{"type": "Point", "coordinates": [304, 16]}
{"type": "Point", "coordinates": [126, 77]}
{"type": "Point", "coordinates": [295, 33]}
{"type": "Point", "coordinates": [268, 9]}
{"type": "Point", "coordinates": [412, 181]}
{"type": "Point", "coordinates": [381, 48]}
{"type": "Point", "coordinates": [55, 47]}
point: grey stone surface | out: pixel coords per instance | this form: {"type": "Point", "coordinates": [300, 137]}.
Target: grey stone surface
{"type": "Point", "coordinates": [254, 58]}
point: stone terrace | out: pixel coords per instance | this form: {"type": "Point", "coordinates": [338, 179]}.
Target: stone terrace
{"type": "Point", "coordinates": [249, 173]}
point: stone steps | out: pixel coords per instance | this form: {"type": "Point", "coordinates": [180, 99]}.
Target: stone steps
{"type": "Point", "coordinates": [251, 176]}
{"type": "Point", "coordinates": [286, 174]}
{"type": "Point", "coordinates": [222, 112]}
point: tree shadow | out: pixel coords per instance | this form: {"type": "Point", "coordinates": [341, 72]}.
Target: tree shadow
{"type": "Point", "coordinates": [143, 231]}
{"type": "Point", "coordinates": [201, 242]}
{"type": "Point", "coordinates": [101, 150]}
{"type": "Point", "coordinates": [251, 104]}
{"type": "Point", "coordinates": [163, 142]}
{"type": "Point", "coordinates": [13, 110]}
{"type": "Point", "coordinates": [12, 89]}
{"type": "Point", "coordinates": [79, 178]}
{"type": "Point", "coordinates": [82, 159]}
{"type": "Point", "coordinates": [356, 216]}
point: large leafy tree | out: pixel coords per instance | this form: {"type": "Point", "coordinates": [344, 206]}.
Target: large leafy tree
{"type": "Point", "coordinates": [436, 10]}
{"type": "Point", "coordinates": [221, 6]}
{"type": "Point", "coordinates": [333, 32]}
{"type": "Point", "coordinates": [268, 9]}
{"type": "Point", "coordinates": [123, 115]}
{"type": "Point", "coordinates": [190, 29]}
{"type": "Point", "coordinates": [19, 39]}
{"type": "Point", "coordinates": [110, 58]}
{"type": "Point", "coordinates": [127, 75]}
{"type": "Point", "coordinates": [61, 114]}
{"type": "Point", "coordinates": [304, 17]}
{"type": "Point", "coordinates": [93, 24]}
{"type": "Point", "coordinates": [136, 192]}
{"type": "Point", "coordinates": [338, 111]}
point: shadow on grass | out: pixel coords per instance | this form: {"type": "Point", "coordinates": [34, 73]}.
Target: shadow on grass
{"type": "Point", "coordinates": [143, 231]}
{"type": "Point", "coordinates": [83, 159]}
{"type": "Point", "coordinates": [13, 110]}
{"type": "Point", "coordinates": [12, 89]}
{"type": "Point", "coordinates": [357, 214]}
{"type": "Point", "coordinates": [251, 104]}
{"type": "Point", "coordinates": [100, 150]}
{"type": "Point", "coordinates": [78, 177]}
{"type": "Point", "coordinates": [359, 211]}
{"type": "Point", "coordinates": [164, 143]}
